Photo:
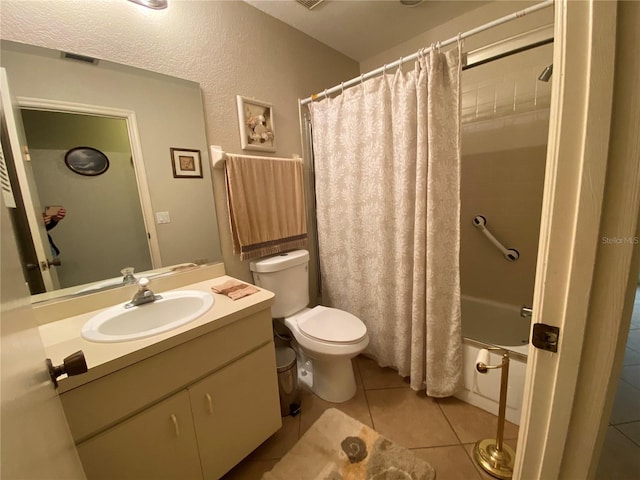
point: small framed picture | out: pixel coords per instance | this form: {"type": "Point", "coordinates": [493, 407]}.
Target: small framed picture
{"type": "Point", "coordinates": [257, 131]}
{"type": "Point", "coordinates": [186, 163]}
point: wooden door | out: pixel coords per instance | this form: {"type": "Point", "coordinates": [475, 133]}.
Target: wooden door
{"type": "Point", "coordinates": [36, 441]}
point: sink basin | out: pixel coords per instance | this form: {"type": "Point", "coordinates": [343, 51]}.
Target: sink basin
{"type": "Point", "coordinates": [174, 309]}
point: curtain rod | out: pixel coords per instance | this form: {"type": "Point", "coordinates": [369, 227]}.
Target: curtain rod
{"type": "Point", "coordinates": [450, 41]}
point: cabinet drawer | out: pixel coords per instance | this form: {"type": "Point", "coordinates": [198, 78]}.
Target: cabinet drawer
{"type": "Point", "coordinates": [101, 403]}
{"type": "Point", "coordinates": [155, 444]}
{"type": "Point", "coordinates": [235, 410]}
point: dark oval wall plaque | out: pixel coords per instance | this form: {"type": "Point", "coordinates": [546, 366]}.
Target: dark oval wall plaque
{"type": "Point", "coordinates": [86, 161]}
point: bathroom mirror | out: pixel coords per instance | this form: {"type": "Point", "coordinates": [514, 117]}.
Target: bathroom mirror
{"type": "Point", "coordinates": [170, 221]}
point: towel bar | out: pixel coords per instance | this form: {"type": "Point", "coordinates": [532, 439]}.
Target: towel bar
{"type": "Point", "coordinates": [219, 156]}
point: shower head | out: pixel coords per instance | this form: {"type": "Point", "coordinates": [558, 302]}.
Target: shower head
{"type": "Point", "coordinates": [545, 76]}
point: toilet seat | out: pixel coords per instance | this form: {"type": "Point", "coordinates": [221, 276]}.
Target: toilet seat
{"type": "Point", "coordinates": [331, 325]}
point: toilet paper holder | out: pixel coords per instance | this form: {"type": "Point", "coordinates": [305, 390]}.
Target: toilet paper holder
{"type": "Point", "coordinates": [491, 453]}
{"type": "Point", "coordinates": [482, 366]}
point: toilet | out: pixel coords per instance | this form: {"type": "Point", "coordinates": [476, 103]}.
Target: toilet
{"type": "Point", "coordinates": [326, 338]}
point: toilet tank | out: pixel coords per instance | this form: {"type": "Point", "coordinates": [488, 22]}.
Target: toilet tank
{"type": "Point", "coordinates": [287, 276]}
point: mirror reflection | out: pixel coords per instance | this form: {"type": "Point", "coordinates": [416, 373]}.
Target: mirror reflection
{"type": "Point", "coordinates": [134, 213]}
{"type": "Point", "coordinates": [103, 223]}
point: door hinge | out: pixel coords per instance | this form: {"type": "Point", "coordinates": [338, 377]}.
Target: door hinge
{"type": "Point", "coordinates": [545, 337]}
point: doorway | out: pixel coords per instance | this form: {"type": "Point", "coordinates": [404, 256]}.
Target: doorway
{"type": "Point", "coordinates": [104, 228]}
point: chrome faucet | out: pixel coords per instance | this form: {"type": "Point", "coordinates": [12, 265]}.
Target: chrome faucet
{"type": "Point", "coordinates": [143, 295]}
{"type": "Point", "coordinates": [128, 278]}
{"type": "Point", "coordinates": [526, 312]}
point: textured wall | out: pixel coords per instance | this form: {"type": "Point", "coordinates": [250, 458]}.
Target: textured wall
{"type": "Point", "coordinates": [229, 47]}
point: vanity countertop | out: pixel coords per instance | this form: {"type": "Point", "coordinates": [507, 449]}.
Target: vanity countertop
{"type": "Point", "coordinates": [62, 338]}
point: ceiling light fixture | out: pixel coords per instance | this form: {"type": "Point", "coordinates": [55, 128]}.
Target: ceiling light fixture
{"type": "Point", "coordinates": [411, 3]}
{"type": "Point", "coordinates": [155, 4]}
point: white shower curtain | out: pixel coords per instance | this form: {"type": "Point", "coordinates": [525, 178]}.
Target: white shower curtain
{"type": "Point", "coordinates": [387, 172]}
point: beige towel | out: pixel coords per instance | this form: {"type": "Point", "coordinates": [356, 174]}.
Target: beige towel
{"type": "Point", "coordinates": [234, 289]}
{"type": "Point", "coordinates": [266, 205]}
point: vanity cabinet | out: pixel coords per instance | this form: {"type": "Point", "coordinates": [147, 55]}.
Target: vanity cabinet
{"type": "Point", "coordinates": [233, 409]}
{"type": "Point", "coordinates": [192, 411]}
{"type": "Point", "coordinates": [157, 443]}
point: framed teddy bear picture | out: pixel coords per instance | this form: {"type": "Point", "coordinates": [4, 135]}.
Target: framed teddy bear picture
{"type": "Point", "coordinates": [257, 131]}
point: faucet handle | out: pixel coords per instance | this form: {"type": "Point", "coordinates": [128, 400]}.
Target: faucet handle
{"type": "Point", "coordinates": [143, 282]}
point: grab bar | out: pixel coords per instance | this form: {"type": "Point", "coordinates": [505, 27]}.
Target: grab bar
{"type": "Point", "coordinates": [510, 254]}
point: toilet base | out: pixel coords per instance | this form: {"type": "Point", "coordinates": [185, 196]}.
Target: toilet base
{"type": "Point", "coordinates": [332, 381]}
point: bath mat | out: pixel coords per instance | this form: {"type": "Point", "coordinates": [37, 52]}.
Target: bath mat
{"type": "Point", "coordinates": [338, 447]}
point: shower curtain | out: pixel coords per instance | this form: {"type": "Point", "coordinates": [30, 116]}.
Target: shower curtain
{"type": "Point", "coordinates": [387, 173]}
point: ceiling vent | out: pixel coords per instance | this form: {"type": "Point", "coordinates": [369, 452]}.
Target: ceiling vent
{"type": "Point", "coordinates": [310, 4]}
{"type": "Point", "coordinates": [79, 58]}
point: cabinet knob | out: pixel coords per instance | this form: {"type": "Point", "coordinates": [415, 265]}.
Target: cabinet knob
{"type": "Point", "coordinates": [209, 403]}
{"type": "Point", "coordinates": [174, 420]}
{"type": "Point", "coordinates": [74, 364]}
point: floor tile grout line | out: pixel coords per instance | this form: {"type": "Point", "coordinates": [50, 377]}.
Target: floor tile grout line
{"type": "Point", "coordinates": [626, 436]}
{"type": "Point", "coordinates": [437, 446]}
{"type": "Point", "coordinates": [628, 384]}
{"type": "Point", "coordinates": [628, 422]}
{"type": "Point", "coordinates": [449, 422]}
{"type": "Point", "coordinates": [366, 399]}
{"type": "Point", "coordinates": [472, 460]}
{"type": "Point", "coordinates": [387, 388]}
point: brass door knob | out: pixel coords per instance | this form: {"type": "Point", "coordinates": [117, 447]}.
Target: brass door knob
{"type": "Point", "coordinates": [55, 262]}
{"type": "Point", "coordinates": [74, 364]}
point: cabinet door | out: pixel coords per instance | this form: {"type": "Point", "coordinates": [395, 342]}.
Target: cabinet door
{"type": "Point", "coordinates": [158, 443]}
{"type": "Point", "coordinates": [235, 410]}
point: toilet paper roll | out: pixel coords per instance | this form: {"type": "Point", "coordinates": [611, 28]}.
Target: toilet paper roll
{"type": "Point", "coordinates": [483, 357]}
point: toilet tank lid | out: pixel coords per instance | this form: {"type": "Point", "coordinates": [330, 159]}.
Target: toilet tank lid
{"type": "Point", "coordinates": [280, 262]}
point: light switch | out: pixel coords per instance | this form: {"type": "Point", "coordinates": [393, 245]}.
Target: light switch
{"type": "Point", "coordinates": [163, 217]}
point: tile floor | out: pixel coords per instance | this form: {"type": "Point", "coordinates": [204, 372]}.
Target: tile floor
{"type": "Point", "coordinates": [442, 432]}
{"type": "Point", "coordinates": [620, 458]}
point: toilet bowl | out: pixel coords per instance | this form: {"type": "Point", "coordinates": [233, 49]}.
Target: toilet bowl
{"type": "Point", "coordinates": [329, 338]}
{"type": "Point", "coordinates": [326, 338]}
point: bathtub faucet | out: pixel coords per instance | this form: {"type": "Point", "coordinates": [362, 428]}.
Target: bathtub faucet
{"type": "Point", "coordinates": [526, 312]}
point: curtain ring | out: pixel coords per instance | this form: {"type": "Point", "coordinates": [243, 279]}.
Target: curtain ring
{"type": "Point", "coordinates": [438, 46]}
{"type": "Point", "coordinates": [325, 93]}
{"type": "Point", "coordinates": [361, 79]}
{"type": "Point", "coordinates": [400, 64]}
{"type": "Point", "coordinates": [384, 69]}
{"type": "Point", "coordinates": [342, 86]}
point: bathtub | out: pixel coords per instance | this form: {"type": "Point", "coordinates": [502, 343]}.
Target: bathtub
{"type": "Point", "coordinates": [487, 323]}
